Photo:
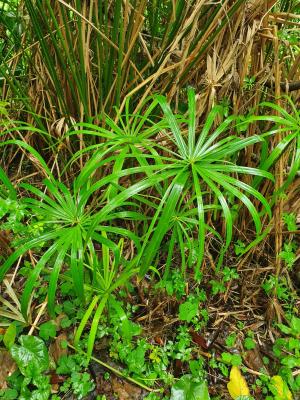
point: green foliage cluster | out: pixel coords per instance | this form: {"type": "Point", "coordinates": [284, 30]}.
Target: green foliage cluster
{"type": "Point", "coordinates": [67, 222]}
{"type": "Point", "coordinates": [179, 185]}
{"type": "Point", "coordinates": [136, 190]}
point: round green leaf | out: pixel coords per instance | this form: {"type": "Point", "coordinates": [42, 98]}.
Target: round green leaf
{"type": "Point", "coordinates": [188, 310]}
{"type": "Point", "coordinates": [47, 330]}
{"type": "Point", "coordinates": [187, 389]}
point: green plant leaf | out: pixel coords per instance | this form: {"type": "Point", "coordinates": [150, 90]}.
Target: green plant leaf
{"type": "Point", "coordinates": [285, 329]}
{"type": "Point", "coordinates": [11, 190]}
{"type": "Point", "coordinates": [188, 310]}
{"type": "Point", "coordinates": [94, 325]}
{"type": "Point", "coordinates": [129, 329]}
{"type": "Point", "coordinates": [47, 330]}
{"type": "Point", "coordinates": [295, 325]}
{"type": "Point", "coordinates": [136, 359]}
{"type": "Point", "coordinates": [9, 394]}
{"type": "Point", "coordinates": [291, 362]}
{"type": "Point", "coordinates": [31, 356]}
{"type": "Point", "coordinates": [81, 384]}
{"type": "Point", "coordinates": [226, 357]}
{"type": "Point", "coordinates": [187, 389]}
{"type": "Point", "coordinates": [249, 343]}
{"type": "Point", "coordinates": [10, 335]}
{"type": "Point", "coordinates": [236, 359]}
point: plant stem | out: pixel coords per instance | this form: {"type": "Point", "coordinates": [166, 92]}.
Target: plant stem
{"type": "Point", "coordinates": [116, 372]}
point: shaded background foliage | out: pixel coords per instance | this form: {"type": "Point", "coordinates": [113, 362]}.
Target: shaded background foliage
{"type": "Point", "coordinates": [82, 58]}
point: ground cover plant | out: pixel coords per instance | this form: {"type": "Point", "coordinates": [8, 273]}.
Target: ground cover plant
{"type": "Point", "coordinates": [149, 200]}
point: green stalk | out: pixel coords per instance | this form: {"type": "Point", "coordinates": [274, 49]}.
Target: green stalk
{"type": "Point", "coordinates": [84, 88]}
{"type": "Point", "coordinates": [36, 23]}
{"type": "Point", "coordinates": [120, 60]}
{"type": "Point", "coordinates": [115, 371]}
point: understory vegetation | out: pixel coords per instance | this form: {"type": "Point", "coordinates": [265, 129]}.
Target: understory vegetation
{"type": "Point", "coordinates": [149, 199]}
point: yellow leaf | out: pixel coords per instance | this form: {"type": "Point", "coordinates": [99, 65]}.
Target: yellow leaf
{"type": "Point", "coordinates": [237, 386]}
{"type": "Point", "coordinates": [279, 388]}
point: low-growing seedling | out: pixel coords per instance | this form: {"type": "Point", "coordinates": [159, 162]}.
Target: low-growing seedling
{"type": "Point", "coordinates": [288, 254]}
{"type": "Point", "coordinates": [32, 380]}
{"type": "Point", "coordinates": [287, 350]}
{"type": "Point", "coordinates": [80, 384]}
{"type": "Point", "coordinates": [187, 388]}
{"type": "Point", "coordinates": [174, 284]}
{"type": "Point", "coordinates": [189, 309]}
{"type": "Point", "coordinates": [249, 342]}
{"type": "Point", "coordinates": [217, 287]}
{"type": "Point", "coordinates": [231, 339]}
{"type": "Point", "coordinates": [290, 219]}
{"type": "Point", "coordinates": [239, 247]}
{"type": "Point", "coordinates": [249, 82]}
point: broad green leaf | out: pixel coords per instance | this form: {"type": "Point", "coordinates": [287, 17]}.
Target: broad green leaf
{"type": "Point", "coordinates": [10, 394]}
{"type": "Point", "coordinates": [285, 329]}
{"type": "Point", "coordinates": [129, 329]}
{"type": "Point", "coordinates": [31, 356]}
{"type": "Point", "coordinates": [187, 389]}
{"type": "Point", "coordinates": [40, 394]}
{"type": "Point", "coordinates": [291, 361]}
{"type": "Point", "coordinates": [295, 325]}
{"type": "Point", "coordinates": [136, 359]}
{"type": "Point", "coordinates": [188, 310]}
